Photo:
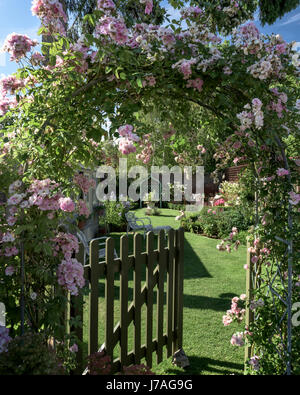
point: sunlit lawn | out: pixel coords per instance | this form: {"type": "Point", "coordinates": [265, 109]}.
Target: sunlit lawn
{"type": "Point", "coordinates": [211, 279]}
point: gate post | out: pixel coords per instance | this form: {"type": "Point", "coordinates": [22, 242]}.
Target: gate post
{"type": "Point", "coordinates": [249, 296]}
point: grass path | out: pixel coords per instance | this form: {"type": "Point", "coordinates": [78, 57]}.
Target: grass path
{"type": "Point", "coordinates": [211, 279]}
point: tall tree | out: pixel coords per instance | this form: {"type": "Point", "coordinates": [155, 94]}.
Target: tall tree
{"type": "Point", "coordinates": [271, 10]}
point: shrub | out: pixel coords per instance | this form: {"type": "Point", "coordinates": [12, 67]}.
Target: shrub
{"type": "Point", "coordinates": [218, 222]}
{"type": "Point", "coordinates": [229, 218]}
{"type": "Point", "coordinates": [115, 215]}
{"type": "Point", "coordinates": [176, 206]}
{"type": "Point", "coordinates": [99, 364]}
{"type": "Point", "coordinates": [30, 355]}
{"type": "Point", "coordinates": [230, 192]}
{"type": "Point", "coordinates": [137, 370]}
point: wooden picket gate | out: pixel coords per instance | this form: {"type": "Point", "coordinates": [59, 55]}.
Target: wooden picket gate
{"type": "Point", "coordinates": [165, 261]}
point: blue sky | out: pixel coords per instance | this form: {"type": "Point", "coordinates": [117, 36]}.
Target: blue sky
{"type": "Point", "coordinates": [15, 16]}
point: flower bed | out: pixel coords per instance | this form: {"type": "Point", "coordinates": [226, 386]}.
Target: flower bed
{"type": "Point", "coordinates": [218, 222]}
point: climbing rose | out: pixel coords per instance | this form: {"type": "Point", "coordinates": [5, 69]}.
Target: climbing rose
{"type": "Point", "coordinates": [66, 243]}
{"type": "Point", "coordinates": [282, 172]}
{"type": "Point", "coordinates": [10, 84]}
{"type": "Point", "coordinates": [74, 348]}
{"type": "Point", "coordinates": [17, 45]}
{"type": "Point", "coordinates": [70, 276]}
{"type": "Point", "coordinates": [195, 84]}
{"type": "Point", "coordinates": [237, 339]}
{"type": "Point", "coordinates": [67, 204]}
{"type": "Point", "coordinates": [104, 5]}
{"type": "Point", "coordinates": [148, 5]}
{"type": "Point", "coordinates": [126, 146]}
{"type": "Point", "coordinates": [83, 209]}
{"type": "Point", "coordinates": [113, 27]}
{"type": "Point", "coordinates": [9, 271]}
{"type": "Point", "coordinates": [294, 198]}
{"type": "Point", "coordinates": [84, 182]}
{"type": "Point", "coordinates": [48, 9]}
{"type": "Point", "coordinates": [254, 362]}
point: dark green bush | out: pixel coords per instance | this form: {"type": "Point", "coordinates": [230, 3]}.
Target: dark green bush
{"type": "Point", "coordinates": [115, 215]}
{"type": "Point", "coordinates": [218, 222]}
{"type": "Point", "coordinates": [175, 206]}
{"type": "Point", "coordinates": [30, 355]}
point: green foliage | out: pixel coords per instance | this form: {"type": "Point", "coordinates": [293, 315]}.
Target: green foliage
{"type": "Point", "coordinates": [175, 206]}
{"type": "Point", "coordinates": [218, 222]}
{"type": "Point", "coordinates": [271, 10]}
{"type": "Point", "coordinates": [115, 214]}
{"type": "Point", "coordinates": [30, 355]}
{"type": "Point", "coordinates": [230, 192]}
{"type": "Point", "coordinates": [132, 11]}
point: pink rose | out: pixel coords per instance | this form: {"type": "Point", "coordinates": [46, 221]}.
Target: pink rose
{"type": "Point", "coordinates": [9, 271]}
{"type": "Point", "coordinates": [66, 204]}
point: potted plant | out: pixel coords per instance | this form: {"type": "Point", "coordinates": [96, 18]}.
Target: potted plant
{"type": "Point", "coordinates": [149, 200]}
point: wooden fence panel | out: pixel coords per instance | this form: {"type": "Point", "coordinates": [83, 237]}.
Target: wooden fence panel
{"type": "Point", "coordinates": [170, 265]}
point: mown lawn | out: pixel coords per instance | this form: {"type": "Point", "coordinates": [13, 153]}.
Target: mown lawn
{"type": "Point", "coordinates": [211, 279]}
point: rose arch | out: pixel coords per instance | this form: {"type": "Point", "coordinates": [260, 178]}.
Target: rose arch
{"type": "Point", "coordinates": [54, 111]}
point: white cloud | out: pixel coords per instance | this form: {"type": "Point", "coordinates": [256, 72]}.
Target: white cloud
{"type": "Point", "coordinates": [292, 19]}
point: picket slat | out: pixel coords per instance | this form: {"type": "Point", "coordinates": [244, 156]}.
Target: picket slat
{"type": "Point", "coordinates": [180, 249]}
{"type": "Point", "coordinates": [124, 299]}
{"type": "Point", "coordinates": [160, 296]}
{"type": "Point", "coordinates": [170, 280]}
{"type": "Point", "coordinates": [109, 297]}
{"type": "Point", "coordinates": [137, 300]}
{"type": "Point", "coordinates": [93, 298]}
{"type": "Point", "coordinates": [149, 282]}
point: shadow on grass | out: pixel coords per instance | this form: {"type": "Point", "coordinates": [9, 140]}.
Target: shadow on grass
{"type": "Point", "coordinates": [199, 365]}
{"type": "Point", "coordinates": [193, 266]}
{"type": "Point", "coordinates": [189, 301]}
{"type": "Point", "coordinates": [227, 295]}
{"type": "Point", "coordinates": [206, 303]}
